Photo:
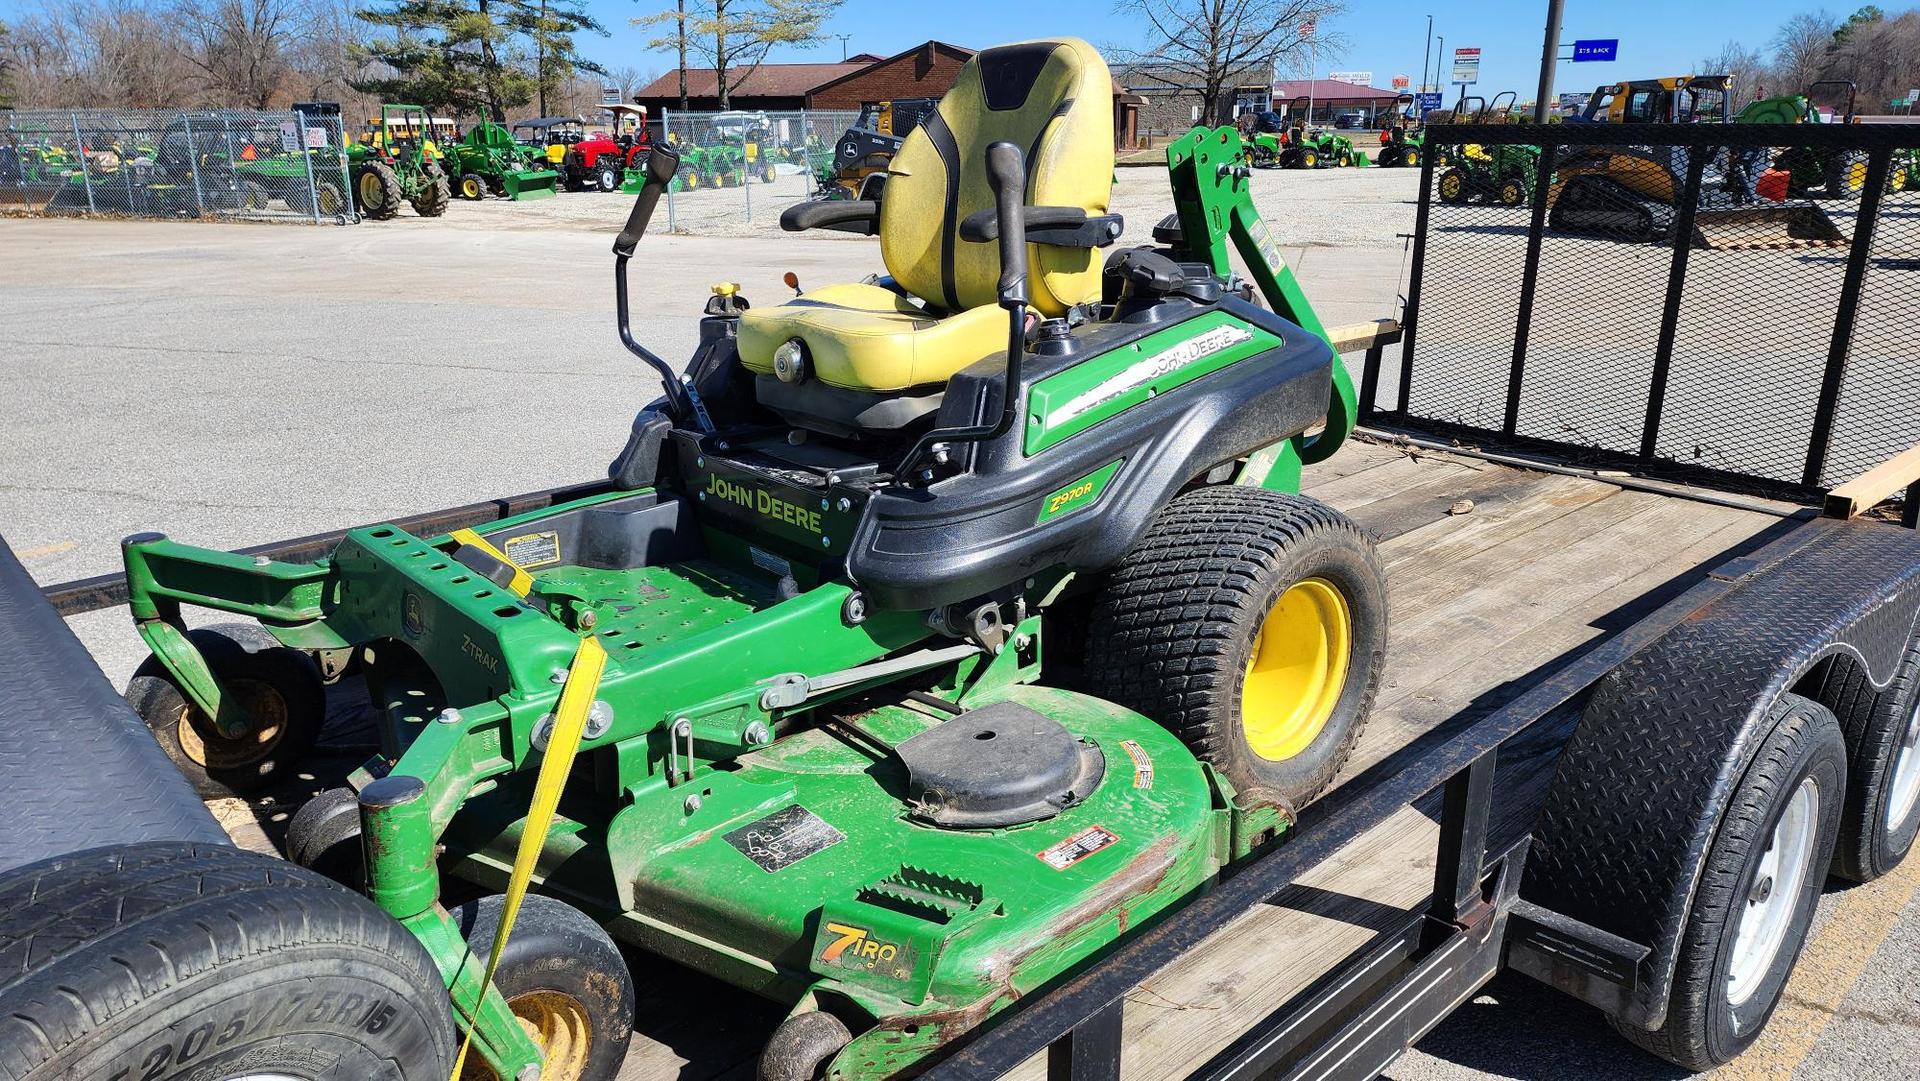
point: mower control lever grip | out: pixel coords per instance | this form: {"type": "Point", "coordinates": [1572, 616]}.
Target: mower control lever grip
{"type": "Point", "coordinates": [1007, 175]}
{"type": "Point", "coordinates": [662, 163]}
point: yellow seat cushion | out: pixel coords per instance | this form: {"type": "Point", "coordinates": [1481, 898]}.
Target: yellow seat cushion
{"type": "Point", "coordinates": [863, 337]}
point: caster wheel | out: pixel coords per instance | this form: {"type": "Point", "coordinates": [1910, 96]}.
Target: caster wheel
{"type": "Point", "coordinates": [324, 836]}
{"type": "Point", "coordinates": [802, 1047]}
{"type": "Point", "coordinates": [279, 688]}
{"type": "Point", "coordinates": [564, 980]}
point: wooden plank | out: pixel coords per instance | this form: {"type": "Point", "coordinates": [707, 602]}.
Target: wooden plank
{"type": "Point", "coordinates": [1357, 337]}
{"type": "Point", "coordinates": [1875, 485]}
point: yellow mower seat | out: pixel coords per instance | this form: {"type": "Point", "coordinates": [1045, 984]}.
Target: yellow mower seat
{"type": "Point", "coordinates": [863, 337]}
{"type": "Point", "coordinates": [1054, 100]}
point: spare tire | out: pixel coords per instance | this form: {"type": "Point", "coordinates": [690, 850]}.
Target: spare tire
{"type": "Point", "coordinates": [170, 961]}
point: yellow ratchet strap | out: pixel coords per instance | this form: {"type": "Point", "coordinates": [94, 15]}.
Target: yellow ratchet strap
{"type": "Point", "coordinates": [576, 698]}
{"type": "Point", "coordinates": [522, 581]}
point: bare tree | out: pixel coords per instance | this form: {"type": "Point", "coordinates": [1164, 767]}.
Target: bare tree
{"type": "Point", "coordinates": [239, 46]}
{"type": "Point", "coordinates": [1801, 48]}
{"type": "Point", "coordinates": [631, 79]}
{"type": "Point", "coordinates": [735, 36]}
{"type": "Point", "coordinates": [1748, 68]}
{"type": "Point", "coordinates": [1215, 45]}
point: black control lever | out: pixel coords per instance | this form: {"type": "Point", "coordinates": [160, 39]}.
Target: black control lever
{"type": "Point", "coordinates": [662, 163]}
{"type": "Point", "coordinates": [1007, 176]}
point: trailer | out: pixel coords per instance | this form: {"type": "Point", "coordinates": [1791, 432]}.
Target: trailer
{"type": "Point", "coordinates": [1634, 700]}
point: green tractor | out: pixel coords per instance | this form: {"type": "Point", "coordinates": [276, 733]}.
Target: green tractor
{"type": "Point", "coordinates": [396, 161]}
{"type": "Point", "coordinates": [1502, 173]}
{"type": "Point", "coordinates": [930, 636]}
{"type": "Point", "coordinates": [1305, 147]}
{"type": "Point", "coordinates": [716, 164]}
{"type": "Point", "coordinates": [1814, 171]}
{"type": "Point", "coordinates": [487, 160]}
{"type": "Point", "coordinates": [1403, 138]}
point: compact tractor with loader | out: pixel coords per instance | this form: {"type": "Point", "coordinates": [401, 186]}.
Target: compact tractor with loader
{"type": "Point", "coordinates": [1403, 138]}
{"type": "Point", "coordinates": [585, 160]}
{"type": "Point", "coordinates": [488, 161]}
{"type": "Point", "coordinates": [1306, 147]}
{"type": "Point", "coordinates": [934, 633]}
{"type": "Point", "coordinates": [396, 162]}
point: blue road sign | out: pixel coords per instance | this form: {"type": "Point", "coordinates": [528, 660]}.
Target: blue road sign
{"type": "Point", "coordinates": [1429, 100]}
{"type": "Point", "coordinates": [1596, 49]}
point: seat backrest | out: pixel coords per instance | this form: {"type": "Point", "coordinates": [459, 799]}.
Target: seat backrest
{"type": "Point", "coordinates": [1052, 99]}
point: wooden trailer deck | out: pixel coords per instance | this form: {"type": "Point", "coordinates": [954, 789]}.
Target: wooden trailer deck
{"type": "Point", "coordinates": [1483, 603]}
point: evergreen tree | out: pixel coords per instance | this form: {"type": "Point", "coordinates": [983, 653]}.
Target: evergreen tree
{"type": "Point", "coordinates": [479, 56]}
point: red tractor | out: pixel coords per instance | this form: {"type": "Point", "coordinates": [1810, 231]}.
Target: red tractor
{"type": "Point", "coordinates": [585, 160]}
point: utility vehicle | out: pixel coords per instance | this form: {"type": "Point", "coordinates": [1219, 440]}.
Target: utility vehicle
{"type": "Point", "coordinates": [937, 631]}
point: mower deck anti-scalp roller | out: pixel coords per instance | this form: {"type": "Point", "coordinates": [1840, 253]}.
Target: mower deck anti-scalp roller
{"type": "Point", "coordinates": [905, 708]}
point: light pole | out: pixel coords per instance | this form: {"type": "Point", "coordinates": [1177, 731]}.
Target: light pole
{"type": "Point", "coordinates": [843, 45]}
{"type": "Point", "coordinates": [1549, 56]}
{"type": "Point", "coordinates": [1425, 59]}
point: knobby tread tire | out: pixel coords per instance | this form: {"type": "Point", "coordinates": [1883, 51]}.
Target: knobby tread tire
{"type": "Point", "coordinates": [1172, 623]}
{"type": "Point", "coordinates": [1804, 740]}
{"type": "Point", "coordinates": [108, 956]}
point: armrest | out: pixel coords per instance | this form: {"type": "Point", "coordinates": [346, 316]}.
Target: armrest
{"type": "Point", "coordinates": [851, 216]}
{"type": "Point", "coordinates": [1061, 226]}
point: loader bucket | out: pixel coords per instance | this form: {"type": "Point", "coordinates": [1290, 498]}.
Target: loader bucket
{"type": "Point", "coordinates": [1359, 159]}
{"type": "Point", "coordinates": [530, 184]}
{"type": "Point", "coordinates": [1766, 228]}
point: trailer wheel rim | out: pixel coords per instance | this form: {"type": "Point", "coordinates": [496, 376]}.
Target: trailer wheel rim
{"type": "Point", "coordinates": [560, 1027]}
{"type": "Point", "coordinates": [1903, 786]}
{"type": "Point", "coordinates": [201, 742]}
{"type": "Point", "coordinates": [1296, 669]}
{"type": "Point", "coordinates": [1774, 893]}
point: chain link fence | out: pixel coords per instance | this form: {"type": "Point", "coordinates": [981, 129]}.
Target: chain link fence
{"type": "Point", "coordinates": [1738, 302]}
{"type": "Point", "coordinates": [748, 165]}
{"type": "Point", "coordinates": [224, 163]}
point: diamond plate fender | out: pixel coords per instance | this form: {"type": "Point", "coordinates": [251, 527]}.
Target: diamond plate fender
{"type": "Point", "coordinates": [1665, 738]}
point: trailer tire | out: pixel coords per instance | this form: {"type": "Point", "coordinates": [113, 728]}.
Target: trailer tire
{"type": "Point", "coordinates": [271, 680]}
{"type": "Point", "coordinates": [172, 961]}
{"type": "Point", "coordinates": [1882, 730]}
{"type": "Point", "coordinates": [564, 978]}
{"type": "Point", "coordinates": [1178, 631]}
{"type": "Point", "coordinates": [1800, 769]}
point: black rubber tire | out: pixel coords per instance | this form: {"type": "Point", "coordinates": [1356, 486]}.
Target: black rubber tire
{"type": "Point", "coordinates": [1512, 192]}
{"type": "Point", "coordinates": [1839, 174]}
{"type": "Point", "coordinates": [253, 195]}
{"type": "Point", "coordinates": [473, 186]}
{"type": "Point", "coordinates": [556, 948]}
{"type": "Point", "coordinates": [1172, 626]}
{"type": "Point", "coordinates": [380, 198]}
{"type": "Point", "coordinates": [250, 662]}
{"type": "Point", "coordinates": [1454, 186]}
{"type": "Point", "coordinates": [324, 837]}
{"type": "Point", "coordinates": [172, 961]}
{"type": "Point", "coordinates": [606, 178]}
{"type": "Point", "coordinates": [803, 1047]}
{"type": "Point", "coordinates": [1702, 1029]}
{"type": "Point", "coordinates": [329, 195]}
{"type": "Point", "coordinates": [434, 197]}
{"type": "Point", "coordinates": [1874, 724]}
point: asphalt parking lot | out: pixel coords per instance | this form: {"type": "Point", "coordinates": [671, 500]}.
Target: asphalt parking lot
{"type": "Point", "coordinates": [234, 384]}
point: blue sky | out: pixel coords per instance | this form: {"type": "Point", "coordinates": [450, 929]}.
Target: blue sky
{"type": "Point", "coordinates": [1657, 37]}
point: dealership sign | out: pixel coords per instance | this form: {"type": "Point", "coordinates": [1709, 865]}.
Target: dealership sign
{"type": "Point", "coordinates": [1466, 65]}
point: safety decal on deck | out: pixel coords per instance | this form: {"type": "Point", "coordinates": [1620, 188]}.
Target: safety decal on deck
{"type": "Point", "coordinates": [1142, 764]}
{"type": "Point", "coordinates": [532, 549]}
{"type": "Point", "coordinates": [1077, 847]}
{"type": "Point", "coordinates": [784, 838]}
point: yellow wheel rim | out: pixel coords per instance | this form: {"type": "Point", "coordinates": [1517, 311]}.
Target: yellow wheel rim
{"type": "Point", "coordinates": [558, 1025]}
{"type": "Point", "coordinates": [203, 743]}
{"type": "Point", "coordinates": [1297, 669]}
{"type": "Point", "coordinates": [370, 190]}
{"type": "Point", "coordinates": [1450, 185]}
{"type": "Point", "coordinates": [470, 188]}
{"type": "Point", "coordinates": [1856, 176]}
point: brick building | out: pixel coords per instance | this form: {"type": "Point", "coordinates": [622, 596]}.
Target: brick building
{"type": "Point", "coordinates": [925, 71]}
{"type": "Point", "coordinates": [769, 87]}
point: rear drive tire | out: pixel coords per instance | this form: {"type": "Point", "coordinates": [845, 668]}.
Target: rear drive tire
{"type": "Point", "coordinates": [279, 687]}
{"type": "Point", "coordinates": [434, 197]}
{"type": "Point", "coordinates": [1882, 730]}
{"type": "Point", "coordinates": [1512, 192]}
{"type": "Point", "coordinates": [169, 962]}
{"type": "Point", "coordinates": [1758, 886]}
{"type": "Point", "coordinates": [564, 979]}
{"type": "Point", "coordinates": [1453, 186]}
{"type": "Point", "coordinates": [377, 191]}
{"type": "Point", "coordinates": [1253, 624]}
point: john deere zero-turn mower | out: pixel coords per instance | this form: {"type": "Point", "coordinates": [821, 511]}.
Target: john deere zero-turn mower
{"type": "Point", "coordinates": [932, 634]}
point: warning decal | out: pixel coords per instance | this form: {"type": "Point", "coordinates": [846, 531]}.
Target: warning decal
{"type": "Point", "coordinates": [1077, 847]}
{"type": "Point", "coordinates": [784, 838]}
{"type": "Point", "coordinates": [1142, 764]}
{"type": "Point", "coordinates": [532, 549]}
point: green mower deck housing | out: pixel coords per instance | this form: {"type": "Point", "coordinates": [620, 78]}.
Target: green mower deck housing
{"type": "Point", "coordinates": [808, 656]}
